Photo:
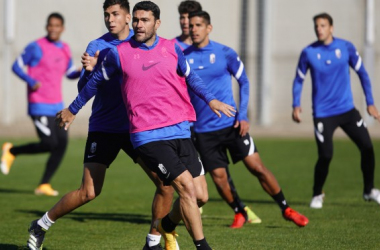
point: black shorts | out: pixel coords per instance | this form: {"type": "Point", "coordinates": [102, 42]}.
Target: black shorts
{"type": "Point", "coordinates": [212, 147]}
{"type": "Point", "coordinates": [171, 158]}
{"type": "Point", "coordinates": [102, 147]}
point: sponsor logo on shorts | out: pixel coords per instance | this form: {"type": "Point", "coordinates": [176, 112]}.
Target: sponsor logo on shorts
{"type": "Point", "coordinates": [90, 156]}
{"type": "Point", "coordinates": [246, 142]}
{"type": "Point", "coordinates": [93, 147]}
{"type": "Point", "coordinates": [359, 123]}
{"type": "Point", "coordinates": [162, 168]}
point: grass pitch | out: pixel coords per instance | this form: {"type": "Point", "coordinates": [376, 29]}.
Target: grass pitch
{"type": "Point", "coordinates": [120, 217]}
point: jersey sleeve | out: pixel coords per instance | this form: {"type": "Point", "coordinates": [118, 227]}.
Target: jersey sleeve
{"type": "Point", "coordinates": [301, 71]}
{"type": "Point", "coordinates": [236, 68]}
{"type": "Point", "coordinates": [194, 82]}
{"type": "Point", "coordinates": [31, 55]}
{"type": "Point", "coordinates": [108, 67]}
{"type": "Point", "coordinates": [85, 75]}
{"type": "Point", "coordinates": [356, 63]}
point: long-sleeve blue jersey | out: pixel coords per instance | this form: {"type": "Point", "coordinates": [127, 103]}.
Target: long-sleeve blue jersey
{"type": "Point", "coordinates": [331, 87]}
{"type": "Point", "coordinates": [108, 110]}
{"type": "Point", "coordinates": [215, 64]}
{"type": "Point", "coordinates": [111, 66]}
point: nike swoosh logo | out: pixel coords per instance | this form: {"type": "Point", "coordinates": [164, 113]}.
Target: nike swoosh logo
{"type": "Point", "coordinates": [43, 128]}
{"type": "Point", "coordinates": [145, 68]}
{"type": "Point", "coordinates": [167, 176]}
{"type": "Point", "coordinates": [359, 123]}
{"type": "Point", "coordinates": [90, 156]}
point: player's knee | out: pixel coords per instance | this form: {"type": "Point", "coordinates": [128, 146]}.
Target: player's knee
{"type": "Point", "coordinates": [49, 145]}
{"type": "Point", "coordinates": [89, 195]}
{"type": "Point", "coordinates": [167, 191]}
{"type": "Point", "coordinates": [202, 200]}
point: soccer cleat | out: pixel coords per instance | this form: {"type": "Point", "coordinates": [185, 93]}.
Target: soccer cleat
{"type": "Point", "coordinates": [36, 236]}
{"type": "Point", "coordinates": [374, 195]}
{"type": "Point", "coordinates": [156, 247]}
{"type": "Point", "coordinates": [169, 237]}
{"type": "Point", "coordinates": [239, 221]}
{"type": "Point", "coordinates": [298, 219]}
{"type": "Point", "coordinates": [7, 158]}
{"type": "Point", "coordinates": [317, 201]}
{"type": "Point", "coordinates": [45, 189]}
{"type": "Point", "coordinates": [252, 217]}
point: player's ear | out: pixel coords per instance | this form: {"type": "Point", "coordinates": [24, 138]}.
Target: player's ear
{"type": "Point", "coordinates": [209, 28]}
{"type": "Point", "coordinates": [128, 18]}
{"type": "Point", "coordinates": [158, 23]}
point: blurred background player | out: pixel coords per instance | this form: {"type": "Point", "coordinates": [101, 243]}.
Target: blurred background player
{"type": "Point", "coordinates": [329, 60]}
{"type": "Point", "coordinates": [215, 64]}
{"type": "Point", "coordinates": [48, 59]}
{"type": "Point", "coordinates": [108, 133]}
{"type": "Point", "coordinates": [184, 41]}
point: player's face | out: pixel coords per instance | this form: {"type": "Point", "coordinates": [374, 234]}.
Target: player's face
{"type": "Point", "coordinates": [116, 19]}
{"type": "Point", "coordinates": [54, 29]}
{"type": "Point", "coordinates": [184, 23]}
{"type": "Point", "coordinates": [323, 30]}
{"type": "Point", "coordinates": [145, 26]}
{"type": "Point", "coordinates": [199, 31]}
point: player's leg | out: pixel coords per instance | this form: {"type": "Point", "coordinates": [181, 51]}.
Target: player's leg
{"type": "Point", "coordinates": [356, 129]}
{"type": "Point", "coordinates": [165, 158]}
{"type": "Point", "coordinates": [57, 142]}
{"type": "Point", "coordinates": [323, 130]}
{"type": "Point", "coordinates": [99, 154]}
{"type": "Point", "coordinates": [43, 128]}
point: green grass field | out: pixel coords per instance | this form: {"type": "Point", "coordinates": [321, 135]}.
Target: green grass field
{"type": "Point", "coordinates": [120, 217]}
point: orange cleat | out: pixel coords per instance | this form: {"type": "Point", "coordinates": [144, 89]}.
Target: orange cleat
{"type": "Point", "coordinates": [298, 219]}
{"type": "Point", "coordinates": [45, 189]}
{"type": "Point", "coordinates": [239, 221]}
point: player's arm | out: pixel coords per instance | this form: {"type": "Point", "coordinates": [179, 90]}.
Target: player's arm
{"type": "Point", "coordinates": [236, 68]}
{"type": "Point", "coordinates": [196, 84]}
{"type": "Point", "coordinates": [31, 56]}
{"type": "Point", "coordinates": [109, 66]}
{"type": "Point", "coordinates": [89, 60]}
{"type": "Point", "coordinates": [356, 63]}
{"type": "Point", "coordinates": [297, 86]}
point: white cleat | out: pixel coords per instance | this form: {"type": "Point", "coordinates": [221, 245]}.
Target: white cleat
{"type": "Point", "coordinates": [317, 201]}
{"type": "Point", "coordinates": [373, 196]}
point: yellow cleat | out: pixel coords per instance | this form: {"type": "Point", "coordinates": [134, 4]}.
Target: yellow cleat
{"type": "Point", "coordinates": [252, 217]}
{"type": "Point", "coordinates": [45, 189]}
{"type": "Point", "coordinates": [169, 237]}
{"type": "Point", "coordinates": [7, 158]}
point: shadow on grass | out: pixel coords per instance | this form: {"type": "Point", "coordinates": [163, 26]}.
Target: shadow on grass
{"type": "Point", "coordinates": [13, 247]}
{"type": "Point", "coordinates": [83, 217]}
{"type": "Point", "coordinates": [15, 191]}
{"type": "Point", "coordinates": [298, 203]}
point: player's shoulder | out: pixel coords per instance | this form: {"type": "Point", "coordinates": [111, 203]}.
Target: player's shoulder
{"type": "Point", "coordinates": [343, 43]}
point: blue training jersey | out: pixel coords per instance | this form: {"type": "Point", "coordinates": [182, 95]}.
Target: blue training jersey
{"type": "Point", "coordinates": [108, 110]}
{"type": "Point", "coordinates": [30, 57]}
{"type": "Point", "coordinates": [215, 64]}
{"type": "Point", "coordinates": [111, 66]}
{"type": "Point", "coordinates": [331, 87]}
{"type": "Point", "coordinates": [181, 44]}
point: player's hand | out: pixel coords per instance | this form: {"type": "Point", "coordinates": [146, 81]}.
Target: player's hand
{"type": "Point", "coordinates": [244, 127]}
{"type": "Point", "coordinates": [372, 111]}
{"type": "Point", "coordinates": [88, 61]}
{"type": "Point", "coordinates": [64, 118]}
{"type": "Point", "coordinates": [218, 106]}
{"type": "Point", "coordinates": [296, 115]}
{"type": "Point", "coordinates": [36, 86]}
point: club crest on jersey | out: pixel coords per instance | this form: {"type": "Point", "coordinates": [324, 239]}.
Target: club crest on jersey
{"type": "Point", "coordinates": [93, 147]}
{"type": "Point", "coordinates": [319, 56]}
{"type": "Point", "coordinates": [212, 58]}
{"type": "Point", "coordinates": [338, 53]}
{"type": "Point", "coordinates": [164, 52]}
{"type": "Point", "coordinates": [162, 168]}
{"type": "Point", "coordinates": [191, 60]}
{"type": "Point", "coordinates": [136, 56]}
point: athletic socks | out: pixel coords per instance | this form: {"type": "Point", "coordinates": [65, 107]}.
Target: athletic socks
{"type": "Point", "coordinates": [167, 224]}
{"type": "Point", "coordinates": [280, 199]}
{"type": "Point", "coordinates": [45, 222]}
{"type": "Point", "coordinates": [202, 244]}
{"type": "Point", "coordinates": [153, 240]}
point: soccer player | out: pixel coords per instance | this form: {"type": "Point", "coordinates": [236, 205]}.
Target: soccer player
{"type": "Point", "coordinates": [184, 41]}
{"type": "Point", "coordinates": [215, 64]}
{"type": "Point", "coordinates": [329, 60]}
{"type": "Point", "coordinates": [159, 110]}
{"type": "Point", "coordinates": [108, 133]}
{"type": "Point", "coordinates": [48, 59]}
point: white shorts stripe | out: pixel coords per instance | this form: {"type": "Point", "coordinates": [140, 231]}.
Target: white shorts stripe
{"type": "Point", "coordinates": [251, 147]}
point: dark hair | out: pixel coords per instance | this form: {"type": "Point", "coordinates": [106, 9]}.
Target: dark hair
{"type": "Point", "coordinates": [324, 16]}
{"type": "Point", "coordinates": [55, 15]}
{"type": "Point", "coordinates": [189, 6]}
{"type": "Point", "coordinates": [124, 4]}
{"type": "Point", "coordinates": [202, 14]}
{"type": "Point", "coordinates": [148, 6]}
